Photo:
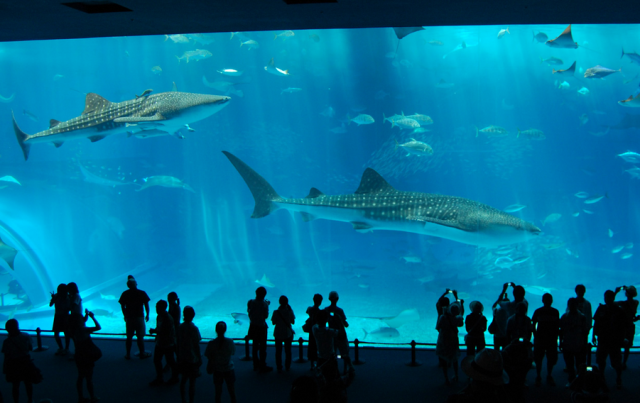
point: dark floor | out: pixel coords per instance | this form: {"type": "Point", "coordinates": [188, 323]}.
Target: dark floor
{"type": "Point", "coordinates": [383, 378]}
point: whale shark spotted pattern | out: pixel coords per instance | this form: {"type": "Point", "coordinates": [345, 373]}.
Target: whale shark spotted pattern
{"type": "Point", "coordinates": [377, 205]}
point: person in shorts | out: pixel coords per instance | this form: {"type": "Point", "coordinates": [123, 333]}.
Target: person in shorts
{"type": "Point", "coordinates": [219, 352]}
{"type": "Point", "coordinates": [134, 304]}
{"type": "Point", "coordinates": [338, 321]}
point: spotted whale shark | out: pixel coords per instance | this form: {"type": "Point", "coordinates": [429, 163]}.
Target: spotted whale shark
{"type": "Point", "coordinates": [164, 112]}
{"type": "Point", "coordinates": [376, 205]}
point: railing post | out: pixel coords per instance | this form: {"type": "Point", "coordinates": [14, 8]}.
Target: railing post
{"type": "Point", "coordinates": [357, 360]}
{"type": "Point", "coordinates": [247, 354]}
{"type": "Point", "coordinates": [39, 342]}
{"type": "Point", "coordinates": [301, 359]}
{"type": "Point", "coordinates": [413, 362]}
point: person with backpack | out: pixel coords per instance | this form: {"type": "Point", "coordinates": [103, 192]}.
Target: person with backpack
{"type": "Point", "coordinates": [219, 352]}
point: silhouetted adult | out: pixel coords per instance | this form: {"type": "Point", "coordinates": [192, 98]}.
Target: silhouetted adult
{"type": "Point", "coordinates": [630, 308]}
{"type": "Point", "coordinates": [487, 379]}
{"type": "Point", "coordinates": [282, 318]}
{"type": "Point", "coordinates": [608, 335]}
{"type": "Point", "coordinates": [325, 339]}
{"type": "Point", "coordinates": [546, 325]}
{"type": "Point", "coordinates": [134, 304]}
{"type": "Point", "coordinates": [75, 301]}
{"type": "Point", "coordinates": [189, 357]}
{"type": "Point", "coordinates": [174, 309]}
{"type": "Point", "coordinates": [498, 326]}
{"type": "Point", "coordinates": [519, 325]}
{"type": "Point", "coordinates": [443, 302]}
{"type": "Point", "coordinates": [509, 307]}
{"type": "Point", "coordinates": [448, 346]}
{"type": "Point", "coordinates": [312, 311]}
{"type": "Point", "coordinates": [572, 332]}
{"type": "Point", "coordinates": [61, 318]}
{"type": "Point", "coordinates": [219, 352]}
{"type": "Point", "coordinates": [584, 306]}
{"type": "Point", "coordinates": [338, 321]}
{"type": "Point", "coordinates": [87, 353]}
{"type": "Point", "coordinates": [258, 310]}
{"type": "Point", "coordinates": [476, 325]}
{"type": "Point", "coordinates": [165, 344]}
{"type": "Point", "coordinates": [518, 358]}
{"type": "Point", "coordinates": [17, 360]}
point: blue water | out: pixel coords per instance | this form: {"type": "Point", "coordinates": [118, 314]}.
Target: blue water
{"type": "Point", "coordinates": [203, 244]}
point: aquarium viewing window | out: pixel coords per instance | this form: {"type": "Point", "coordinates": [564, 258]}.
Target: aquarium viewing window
{"type": "Point", "coordinates": [453, 158]}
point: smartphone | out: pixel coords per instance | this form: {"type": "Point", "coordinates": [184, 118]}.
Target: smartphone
{"type": "Point", "coordinates": [521, 340]}
{"type": "Point", "coordinates": [450, 292]}
{"type": "Point", "coordinates": [589, 368]}
{"type": "Point", "coordinates": [331, 313]}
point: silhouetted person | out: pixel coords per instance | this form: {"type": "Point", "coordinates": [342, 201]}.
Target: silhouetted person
{"type": "Point", "coordinates": [589, 386]}
{"type": "Point", "coordinates": [17, 360]}
{"type": "Point", "coordinates": [75, 302]}
{"type": "Point", "coordinates": [546, 325]}
{"type": "Point", "coordinates": [443, 302]}
{"type": "Point", "coordinates": [219, 352]}
{"type": "Point", "coordinates": [312, 311]}
{"type": "Point", "coordinates": [134, 304]}
{"type": "Point", "coordinates": [282, 318]}
{"type": "Point", "coordinates": [487, 379]}
{"type": "Point", "coordinates": [608, 335]}
{"type": "Point", "coordinates": [258, 310]}
{"type": "Point", "coordinates": [338, 321]}
{"type": "Point", "coordinates": [174, 309]}
{"type": "Point", "coordinates": [325, 339]}
{"type": "Point", "coordinates": [509, 308]}
{"type": "Point", "coordinates": [630, 308]}
{"type": "Point", "coordinates": [475, 324]}
{"type": "Point", "coordinates": [498, 326]}
{"type": "Point", "coordinates": [87, 353]}
{"type": "Point", "coordinates": [61, 318]}
{"type": "Point", "coordinates": [518, 358]}
{"type": "Point", "coordinates": [165, 344]}
{"type": "Point", "coordinates": [572, 332]}
{"type": "Point", "coordinates": [448, 346]}
{"type": "Point", "coordinates": [584, 307]}
{"type": "Point", "coordinates": [189, 357]}
{"type": "Point", "coordinates": [519, 325]}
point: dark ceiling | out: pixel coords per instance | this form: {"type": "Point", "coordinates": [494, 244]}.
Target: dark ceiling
{"type": "Point", "coordinates": [46, 19]}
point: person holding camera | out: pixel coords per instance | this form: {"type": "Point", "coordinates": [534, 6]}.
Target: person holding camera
{"type": "Point", "coordinates": [258, 310]}
{"type": "Point", "coordinates": [630, 308]}
{"type": "Point", "coordinates": [448, 346]}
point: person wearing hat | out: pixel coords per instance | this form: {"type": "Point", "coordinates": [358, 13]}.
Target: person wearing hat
{"type": "Point", "coordinates": [132, 302]}
{"type": "Point", "coordinates": [487, 378]}
{"type": "Point", "coordinates": [476, 325]}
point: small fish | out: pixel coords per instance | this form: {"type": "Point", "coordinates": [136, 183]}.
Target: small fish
{"type": "Point", "coordinates": [426, 279]}
{"type": "Point", "coordinates": [610, 233]}
{"type": "Point", "coordinates": [271, 68]}
{"type": "Point", "coordinates": [57, 77]}
{"type": "Point", "coordinates": [265, 282]}
{"type": "Point", "coordinates": [230, 72]}
{"type": "Point", "coordinates": [240, 318]}
{"type": "Point", "coordinates": [617, 249]}
{"type": "Point", "coordinates": [156, 70]}
{"type": "Point", "coordinates": [284, 35]}
{"type": "Point", "coordinates": [513, 208]}
{"type": "Point", "coordinates": [634, 172]}
{"type": "Point", "coordinates": [164, 181]}
{"type": "Point", "coordinates": [521, 259]}
{"type": "Point", "coordinates": [575, 213]}
{"type": "Point", "coordinates": [492, 131]}
{"type": "Point", "coordinates": [362, 119]}
{"type": "Point", "coordinates": [584, 118]}
{"type": "Point", "coordinates": [503, 32]}
{"type": "Point", "coordinates": [178, 38]}
{"type": "Point", "coordinates": [541, 37]}
{"type": "Point", "coordinates": [421, 130]}
{"type": "Point", "coordinates": [552, 61]}
{"type": "Point", "coordinates": [422, 119]}
{"type": "Point", "coordinates": [412, 259]}
{"type": "Point", "coordinates": [144, 93]}
{"type": "Point", "coordinates": [364, 286]}
{"type": "Point", "coordinates": [595, 199]}
{"type": "Point", "coordinates": [629, 245]}
{"type": "Point", "coordinates": [416, 147]}
{"type": "Point", "coordinates": [435, 43]}
{"type": "Point", "coordinates": [30, 115]}
{"type": "Point", "coordinates": [197, 55]}
{"type": "Point", "coordinates": [634, 57]}
{"type": "Point", "coordinates": [250, 44]}
{"type": "Point", "coordinates": [10, 179]}
{"type": "Point", "coordinates": [533, 134]}
{"type": "Point", "coordinates": [339, 130]}
{"type": "Point", "coordinates": [581, 195]}
{"type": "Point", "coordinates": [290, 90]}
{"type": "Point", "coordinates": [587, 211]}
{"type": "Point", "coordinates": [599, 72]}
{"type": "Point", "coordinates": [552, 218]}
{"type": "Point", "coordinates": [584, 91]}
{"type": "Point", "coordinates": [630, 156]}
{"type": "Point", "coordinates": [108, 297]}
{"type": "Point", "coordinates": [564, 86]}
{"type": "Point", "coordinates": [504, 262]}
{"type": "Point", "coordinates": [626, 256]}
{"type": "Point", "coordinates": [444, 84]}
{"type": "Point", "coordinates": [328, 112]}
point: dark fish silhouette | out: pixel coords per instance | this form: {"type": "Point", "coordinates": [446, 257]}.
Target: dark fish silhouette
{"type": "Point", "coordinates": [540, 37]}
{"type": "Point", "coordinates": [627, 122]}
{"type": "Point", "coordinates": [570, 71]}
{"type": "Point", "coordinates": [404, 31]}
{"type": "Point", "coordinates": [564, 41]}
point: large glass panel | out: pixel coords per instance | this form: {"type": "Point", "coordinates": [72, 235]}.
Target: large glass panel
{"type": "Point", "coordinates": [481, 113]}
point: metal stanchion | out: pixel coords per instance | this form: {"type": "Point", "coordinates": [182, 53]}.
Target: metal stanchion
{"type": "Point", "coordinates": [39, 341]}
{"type": "Point", "coordinates": [301, 359]}
{"type": "Point", "coordinates": [589, 347]}
{"type": "Point", "coordinates": [247, 354]}
{"type": "Point", "coordinates": [413, 362]}
{"type": "Point", "coordinates": [357, 360]}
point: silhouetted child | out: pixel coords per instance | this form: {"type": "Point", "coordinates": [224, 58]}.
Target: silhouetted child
{"type": "Point", "coordinates": [61, 318]}
{"type": "Point", "coordinates": [608, 335]}
{"type": "Point", "coordinates": [258, 310]}
{"type": "Point", "coordinates": [338, 321]}
{"type": "Point", "coordinates": [283, 318]}
{"type": "Point", "coordinates": [134, 304]}
{"type": "Point", "coordinates": [189, 357]}
{"type": "Point", "coordinates": [17, 360]}
{"type": "Point", "coordinates": [519, 325]}
{"type": "Point", "coordinates": [572, 332]}
{"type": "Point", "coordinates": [475, 324]}
{"type": "Point", "coordinates": [630, 308]}
{"type": "Point", "coordinates": [165, 344]}
{"type": "Point", "coordinates": [312, 311]}
{"type": "Point", "coordinates": [546, 324]}
{"type": "Point", "coordinates": [87, 353]}
{"type": "Point", "coordinates": [447, 347]}
{"type": "Point", "coordinates": [219, 352]}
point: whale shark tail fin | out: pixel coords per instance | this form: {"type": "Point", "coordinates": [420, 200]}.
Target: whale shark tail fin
{"type": "Point", "coordinates": [263, 193]}
{"type": "Point", "coordinates": [21, 136]}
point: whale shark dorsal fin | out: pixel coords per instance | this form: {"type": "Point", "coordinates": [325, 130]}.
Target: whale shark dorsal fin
{"type": "Point", "coordinates": [94, 102]}
{"type": "Point", "coordinates": [313, 193]}
{"type": "Point", "coordinates": [53, 123]}
{"type": "Point", "coordinates": [372, 183]}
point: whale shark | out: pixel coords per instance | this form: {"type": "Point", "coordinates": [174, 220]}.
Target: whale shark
{"type": "Point", "coordinates": [376, 205]}
{"type": "Point", "coordinates": [167, 111]}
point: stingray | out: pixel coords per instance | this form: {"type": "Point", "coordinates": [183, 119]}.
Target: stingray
{"type": "Point", "coordinates": [631, 102]}
{"type": "Point", "coordinates": [404, 31]}
{"type": "Point", "coordinates": [570, 71]}
{"type": "Point", "coordinates": [7, 253]}
{"type": "Point", "coordinates": [564, 41]}
{"type": "Point", "coordinates": [406, 316]}
{"type": "Point", "coordinates": [627, 122]}
{"type": "Point", "coordinates": [265, 282]}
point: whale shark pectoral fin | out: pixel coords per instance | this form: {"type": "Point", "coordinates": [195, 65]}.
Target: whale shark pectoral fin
{"type": "Point", "coordinates": [306, 217]}
{"type": "Point", "coordinates": [362, 227]}
{"type": "Point", "coordinates": [372, 182]}
{"type": "Point", "coordinates": [140, 119]}
{"type": "Point", "coordinates": [313, 193]}
{"type": "Point", "coordinates": [58, 144]}
{"type": "Point", "coordinates": [96, 138]}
